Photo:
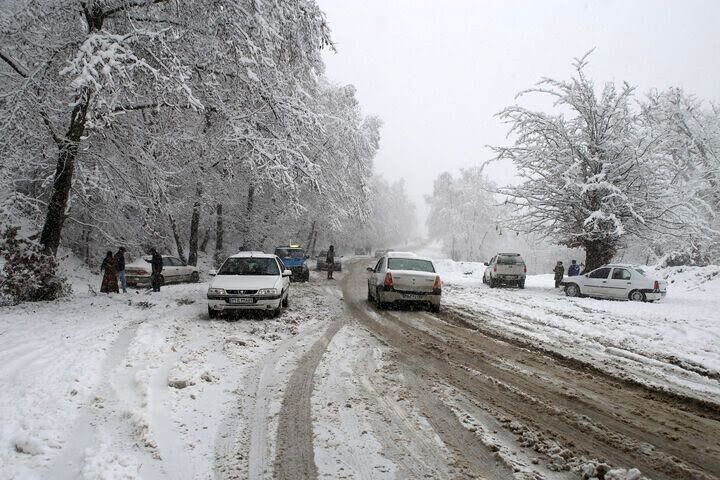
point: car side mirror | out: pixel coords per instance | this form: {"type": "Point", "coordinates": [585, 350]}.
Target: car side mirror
{"type": "Point", "coordinates": [212, 273]}
{"type": "Point", "coordinates": [307, 256]}
{"type": "Point", "coordinates": [370, 269]}
{"type": "Point", "coordinates": [287, 273]}
{"type": "Point", "coordinates": [486, 264]}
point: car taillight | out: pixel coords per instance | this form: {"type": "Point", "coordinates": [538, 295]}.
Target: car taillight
{"type": "Point", "coordinates": [388, 280]}
{"type": "Point", "coordinates": [524, 268]}
{"type": "Point", "coordinates": [495, 268]}
{"type": "Point", "coordinates": [657, 285]}
{"type": "Point", "coordinates": [438, 284]}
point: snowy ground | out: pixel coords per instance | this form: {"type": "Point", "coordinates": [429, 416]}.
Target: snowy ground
{"type": "Point", "coordinates": [134, 386]}
{"type": "Point", "coordinates": [145, 386]}
{"type": "Point", "coordinates": [672, 344]}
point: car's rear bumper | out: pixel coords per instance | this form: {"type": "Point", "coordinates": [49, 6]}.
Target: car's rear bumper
{"type": "Point", "coordinates": [502, 277]}
{"type": "Point", "coordinates": [138, 280]}
{"type": "Point", "coordinates": [394, 296]}
{"type": "Point", "coordinates": [654, 295]}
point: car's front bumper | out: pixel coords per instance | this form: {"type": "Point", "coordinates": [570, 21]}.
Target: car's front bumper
{"type": "Point", "coordinates": [225, 303]}
{"type": "Point", "coordinates": [395, 296]}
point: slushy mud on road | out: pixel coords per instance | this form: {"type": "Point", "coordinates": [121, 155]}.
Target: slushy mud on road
{"type": "Point", "coordinates": [411, 394]}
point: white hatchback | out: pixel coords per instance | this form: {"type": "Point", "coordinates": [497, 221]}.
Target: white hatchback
{"type": "Point", "coordinates": [618, 281]}
{"type": "Point", "coordinates": [249, 281]}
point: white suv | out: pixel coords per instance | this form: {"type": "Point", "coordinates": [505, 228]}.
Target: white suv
{"type": "Point", "coordinates": [249, 281]}
{"type": "Point", "coordinates": [619, 281]}
{"type": "Point", "coordinates": [505, 269]}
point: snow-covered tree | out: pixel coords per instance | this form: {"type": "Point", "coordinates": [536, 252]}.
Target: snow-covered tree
{"type": "Point", "coordinates": [592, 177]}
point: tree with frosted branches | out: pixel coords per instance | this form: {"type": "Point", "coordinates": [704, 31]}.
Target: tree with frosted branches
{"type": "Point", "coordinates": [592, 177]}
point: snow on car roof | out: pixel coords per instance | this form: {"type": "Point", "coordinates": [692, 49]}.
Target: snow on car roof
{"type": "Point", "coordinates": [401, 254]}
{"type": "Point", "coordinates": [253, 254]}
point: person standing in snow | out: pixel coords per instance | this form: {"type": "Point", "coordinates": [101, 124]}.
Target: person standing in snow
{"type": "Point", "coordinates": [559, 271]}
{"type": "Point", "coordinates": [573, 269]}
{"type": "Point", "coordinates": [157, 265]}
{"type": "Point", "coordinates": [120, 263]}
{"type": "Point", "coordinates": [109, 281]}
{"type": "Point", "coordinates": [330, 262]}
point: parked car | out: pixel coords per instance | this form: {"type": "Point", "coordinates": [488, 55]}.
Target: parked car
{"type": "Point", "coordinates": [361, 251]}
{"type": "Point", "coordinates": [321, 262]}
{"type": "Point", "coordinates": [618, 281]}
{"type": "Point", "coordinates": [174, 271]}
{"type": "Point", "coordinates": [505, 269]}
{"type": "Point", "coordinates": [249, 281]}
{"type": "Point", "coordinates": [402, 277]}
{"type": "Point", "coordinates": [295, 259]}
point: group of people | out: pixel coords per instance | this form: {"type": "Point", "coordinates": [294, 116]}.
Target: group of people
{"type": "Point", "coordinates": [573, 270]}
{"type": "Point", "coordinates": [113, 269]}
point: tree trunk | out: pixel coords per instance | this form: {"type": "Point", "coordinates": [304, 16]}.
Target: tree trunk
{"type": "Point", "coordinates": [245, 227]}
{"type": "Point", "coordinates": [308, 244]}
{"type": "Point", "coordinates": [205, 241]}
{"type": "Point", "coordinates": [178, 243]}
{"type": "Point", "coordinates": [219, 254]}
{"type": "Point", "coordinates": [598, 253]}
{"type": "Point", "coordinates": [68, 149]}
{"type": "Point", "coordinates": [194, 226]}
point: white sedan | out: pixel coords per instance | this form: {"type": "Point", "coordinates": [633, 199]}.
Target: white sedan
{"type": "Point", "coordinates": [401, 277]}
{"type": "Point", "coordinates": [174, 271]}
{"type": "Point", "coordinates": [617, 281]}
{"type": "Point", "coordinates": [249, 281]}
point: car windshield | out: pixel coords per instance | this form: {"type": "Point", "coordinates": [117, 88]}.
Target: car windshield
{"type": "Point", "coordinates": [290, 252]}
{"type": "Point", "coordinates": [410, 264]}
{"type": "Point", "coordinates": [249, 266]}
{"type": "Point", "coordinates": [509, 259]}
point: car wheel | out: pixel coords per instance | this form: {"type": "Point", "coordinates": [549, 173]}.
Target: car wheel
{"type": "Point", "coordinates": [369, 295]}
{"type": "Point", "coordinates": [286, 300]}
{"type": "Point", "coordinates": [493, 283]}
{"type": "Point", "coordinates": [521, 285]}
{"type": "Point", "coordinates": [636, 296]}
{"type": "Point", "coordinates": [212, 313]}
{"type": "Point", "coordinates": [483, 280]}
{"type": "Point", "coordinates": [195, 277]}
{"type": "Point", "coordinates": [379, 303]}
{"type": "Point", "coordinates": [162, 280]}
{"type": "Point", "coordinates": [435, 308]}
{"type": "Point", "coordinates": [572, 290]}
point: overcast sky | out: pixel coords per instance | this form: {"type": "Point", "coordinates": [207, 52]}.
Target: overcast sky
{"type": "Point", "coordinates": [436, 71]}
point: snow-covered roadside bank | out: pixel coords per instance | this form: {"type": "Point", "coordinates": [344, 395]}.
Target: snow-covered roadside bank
{"type": "Point", "coordinates": [130, 386]}
{"type": "Point", "coordinates": [672, 344]}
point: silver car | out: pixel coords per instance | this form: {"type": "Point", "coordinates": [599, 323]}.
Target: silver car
{"type": "Point", "coordinates": [505, 269]}
{"type": "Point", "coordinates": [403, 278]}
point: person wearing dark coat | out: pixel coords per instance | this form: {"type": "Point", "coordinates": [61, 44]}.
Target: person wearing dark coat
{"type": "Point", "coordinates": [559, 271]}
{"type": "Point", "coordinates": [157, 265]}
{"type": "Point", "coordinates": [330, 262]}
{"type": "Point", "coordinates": [120, 263]}
{"type": "Point", "coordinates": [573, 269]}
{"type": "Point", "coordinates": [109, 281]}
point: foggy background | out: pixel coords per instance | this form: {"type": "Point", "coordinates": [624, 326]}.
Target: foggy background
{"type": "Point", "coordinates": [436, 72]}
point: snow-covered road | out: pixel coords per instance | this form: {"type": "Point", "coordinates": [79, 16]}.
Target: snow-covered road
{"type": "Point", "coordinates": [505, 384]}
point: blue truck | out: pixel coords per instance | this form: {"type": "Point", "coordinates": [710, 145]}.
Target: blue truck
{"type": "Point", "coordinates": [295, 259]}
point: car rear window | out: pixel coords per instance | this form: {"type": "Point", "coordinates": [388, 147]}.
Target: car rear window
{"type": "Point", "coordinates": [410, 264]}
{"type": "Point", "coordinates": [290, 252]}
{"type": "Point", "coordinates": [249, 266]}
{"type": "Point", "coordinates": [509, 259]}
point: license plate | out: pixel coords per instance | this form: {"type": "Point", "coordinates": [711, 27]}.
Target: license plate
{"type": "Point", "coordinates": [241, 300]}
{"type": "Point", "coordinates": [510, 276]}
{"type": "Point", "coordinates": [412, 297]}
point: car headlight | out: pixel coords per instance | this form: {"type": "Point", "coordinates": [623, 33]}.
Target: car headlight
{"type": "Point", "coordinates": [216, 291]}
{"type": "Point", "coordinates": [268, 291]}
